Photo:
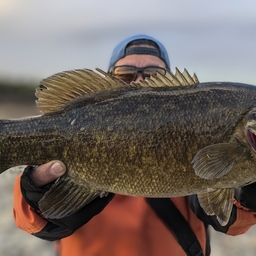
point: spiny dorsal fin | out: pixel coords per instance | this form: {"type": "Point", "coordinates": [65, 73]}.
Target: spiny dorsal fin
{"type": "Point", "coordinates": [169, 79]}
{"type": "Point", "coordinates": [58, 90]}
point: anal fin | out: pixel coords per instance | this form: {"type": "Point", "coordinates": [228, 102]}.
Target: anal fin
{"type": "Point", "coordinates": [66, 197]}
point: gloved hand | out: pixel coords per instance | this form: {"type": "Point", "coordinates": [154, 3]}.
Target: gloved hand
{"type": "Point", "coordinates": [33, 194]}
{"type": "Point", "coordinates": [247, 196]}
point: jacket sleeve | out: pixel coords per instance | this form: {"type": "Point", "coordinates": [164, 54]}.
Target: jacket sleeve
{"type": "Point", "coordinates": [240, 221]}
{"type": "Point", "coordinates": [30, 220]}
{"type": "Point", "coordinates": [28, 217]}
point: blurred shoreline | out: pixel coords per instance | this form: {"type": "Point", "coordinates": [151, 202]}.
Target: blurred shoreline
{"type": "Point", "coordinates": [21, 92]}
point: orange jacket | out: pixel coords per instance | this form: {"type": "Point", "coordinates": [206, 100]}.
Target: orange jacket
{"type": "Point", "coordinates": [127, 226]}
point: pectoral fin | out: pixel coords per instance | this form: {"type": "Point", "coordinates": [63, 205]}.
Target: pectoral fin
{"type": "Point", "coordinates": [66, 197]}
{"type": "Point", "coordinates": [218, 202]}
{"type": "Point", "coordinates": [216, 160]}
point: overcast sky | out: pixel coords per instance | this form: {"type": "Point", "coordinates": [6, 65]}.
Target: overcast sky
{"type": "Point", "coordinates": [215, 39]}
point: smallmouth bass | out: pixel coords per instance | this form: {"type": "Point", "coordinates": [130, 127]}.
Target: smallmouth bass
{"type": "Point", "coordinates": [166, 136]}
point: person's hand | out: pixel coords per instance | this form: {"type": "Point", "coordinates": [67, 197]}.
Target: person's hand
{"type": "Point", "coordinates": [247, 196]}
{"type": "Point", "coordinates": [36, 181]}
{"type": "Point", "coordinates": [47, 173]}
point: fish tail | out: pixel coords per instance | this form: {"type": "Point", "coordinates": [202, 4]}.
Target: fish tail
{"type": "Point", "coordinates": [3, 149]}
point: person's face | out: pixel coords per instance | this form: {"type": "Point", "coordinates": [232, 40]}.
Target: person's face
{"type": "Point", "coordinates": [141, 61]}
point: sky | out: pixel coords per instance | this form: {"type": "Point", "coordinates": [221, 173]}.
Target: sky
{"type": "Point", "coordinates": [214, 39]}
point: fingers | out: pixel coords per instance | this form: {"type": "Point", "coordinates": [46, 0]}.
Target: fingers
{"type": "Point", "coordinates": [47, 173]}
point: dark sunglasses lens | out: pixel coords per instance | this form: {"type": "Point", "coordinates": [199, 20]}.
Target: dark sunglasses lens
{"type": "Point", "coordinates": [127, 74]}
{"type": "Point", "coordinates": [153, 71]}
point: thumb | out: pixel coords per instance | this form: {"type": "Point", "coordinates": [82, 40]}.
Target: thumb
{"type": "Point", "coordinates": [47, 173]}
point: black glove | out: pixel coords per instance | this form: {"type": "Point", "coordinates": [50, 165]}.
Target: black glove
{"type": "Point", "coordinates": [247, 196]}
{"type": "Point", "coordinates": [33, 194]}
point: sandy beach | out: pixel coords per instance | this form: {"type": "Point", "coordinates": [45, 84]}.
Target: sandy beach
{"type": "Point", "coordinates": [15, 242]}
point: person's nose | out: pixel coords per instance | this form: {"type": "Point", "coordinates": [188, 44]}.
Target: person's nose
{"type": "Point", "coordinates": [139, 77]}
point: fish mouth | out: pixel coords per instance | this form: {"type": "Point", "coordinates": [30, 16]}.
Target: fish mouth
{"type": "Point", "coordinates": [251, 138]}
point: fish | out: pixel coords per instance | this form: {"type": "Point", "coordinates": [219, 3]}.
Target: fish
{"type": "Point", "coordinates": [166, 136]}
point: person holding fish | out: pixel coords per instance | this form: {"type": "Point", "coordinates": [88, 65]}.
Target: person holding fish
{"type": "Point", "coordinates": [126, 225]}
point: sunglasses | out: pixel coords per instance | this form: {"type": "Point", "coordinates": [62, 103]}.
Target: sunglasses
{"type": "Point", "coordinates": [130, 73]}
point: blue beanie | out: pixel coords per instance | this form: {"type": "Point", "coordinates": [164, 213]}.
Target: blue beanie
{"type": "Point", "coordinates": [120, 50]}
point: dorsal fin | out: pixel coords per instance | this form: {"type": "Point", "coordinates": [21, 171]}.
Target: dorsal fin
{"type": "Point", "coordinates": [169, 79]}
{"type": "Point", "coordinates": [58, 90]}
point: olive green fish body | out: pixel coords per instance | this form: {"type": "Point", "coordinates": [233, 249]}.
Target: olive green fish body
{"type": "Point", "coordinates": [141, 140]}
{"type": "Point", "coordinates": [147, 146]}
